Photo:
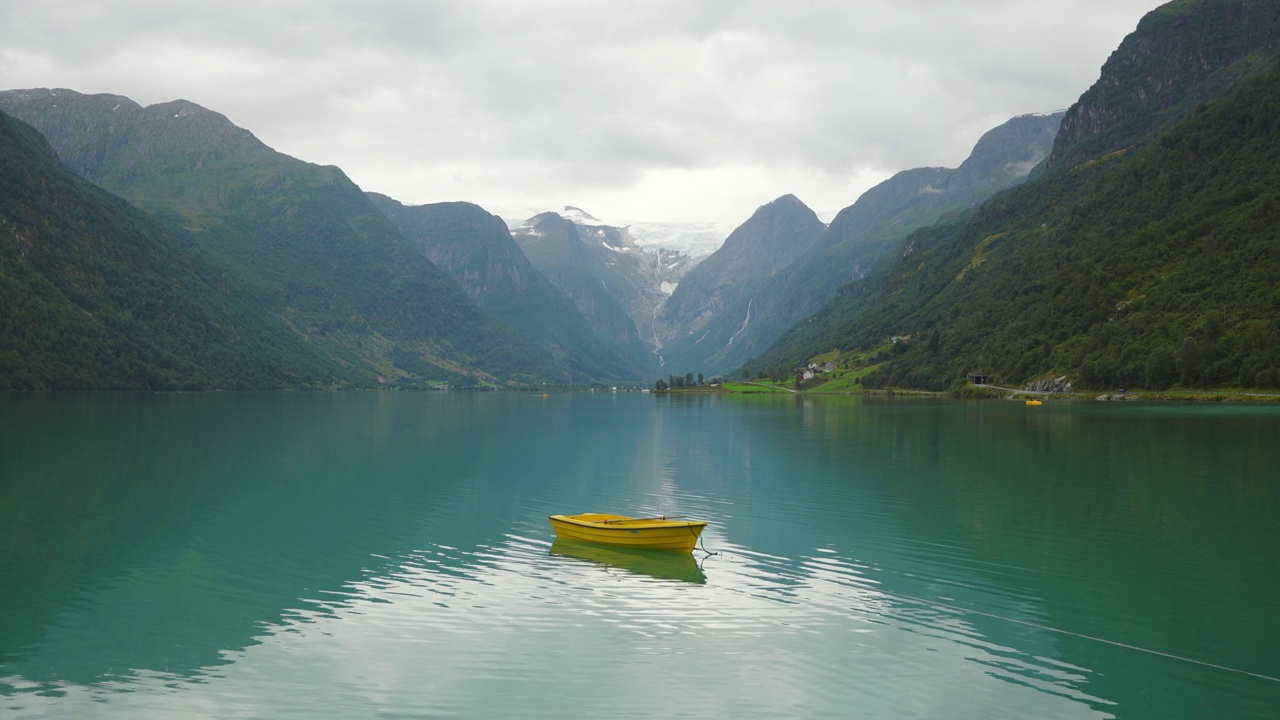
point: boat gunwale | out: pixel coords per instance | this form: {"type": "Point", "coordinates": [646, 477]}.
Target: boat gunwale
{"type": "Point", "coordinates": [623, 522]}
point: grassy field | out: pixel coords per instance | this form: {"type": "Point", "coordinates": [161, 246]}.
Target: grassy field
{"type": "Point", "coordinates": [848, 383]}
{"type": "Point", "coordinates": [764, 386]}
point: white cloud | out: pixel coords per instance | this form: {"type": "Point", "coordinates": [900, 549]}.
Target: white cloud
{"type": "Point", "coordinates": [664, 110]}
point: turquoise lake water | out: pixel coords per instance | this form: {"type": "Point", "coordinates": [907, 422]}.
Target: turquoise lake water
{"type": "Point", "coordinates": [371, 555]}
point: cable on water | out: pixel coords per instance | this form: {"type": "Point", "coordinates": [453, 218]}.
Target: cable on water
{"type": "Point", "coordinates": [969, 611]}
{"type": "Point", "coordinates": [1048, 628]}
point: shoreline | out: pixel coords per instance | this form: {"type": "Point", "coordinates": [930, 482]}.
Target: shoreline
{"type": "Point", "coordinates": [993, 393]}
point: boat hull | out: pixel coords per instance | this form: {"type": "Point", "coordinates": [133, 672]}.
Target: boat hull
{"type": "Point", "coordinates": [623, 531]}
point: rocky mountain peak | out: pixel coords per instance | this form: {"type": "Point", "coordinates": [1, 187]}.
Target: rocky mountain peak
{"type": "Point", "coordinates": [1182, 54]}
{"type": "Point", "coordinates": [778, 221]}
{"type": "Point", "coordinates": [776, 234]}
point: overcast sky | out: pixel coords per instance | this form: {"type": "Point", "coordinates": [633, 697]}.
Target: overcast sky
{"type": "Point", "coordinates": [656, 110]}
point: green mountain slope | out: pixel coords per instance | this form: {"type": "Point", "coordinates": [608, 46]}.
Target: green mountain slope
{"type": "Point", "coordinates": [97, 295]}
{"type": "Point", "coordinates": [477, 250]}
{"type": "Point", "coordinates": [300, 240]}
{"type": "Point", "coordinates": [1148, 269]}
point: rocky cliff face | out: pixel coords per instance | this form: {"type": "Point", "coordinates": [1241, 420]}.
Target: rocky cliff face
{"type": "Point", "coordinates": [599, 277]}
{"type": "Point", "coordinates": [1182, 54]}
{"type": "Point", "coordinates": [465, 241]}
{"type": "Point", "coordinates": [617, 284]}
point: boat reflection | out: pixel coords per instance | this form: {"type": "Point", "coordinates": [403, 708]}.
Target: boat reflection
{"type": "Point", "coordinates": [661, 564]}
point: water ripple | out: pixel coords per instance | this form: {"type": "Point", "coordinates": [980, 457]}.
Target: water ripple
{"type": "Point", "coordinates": [868, 566]}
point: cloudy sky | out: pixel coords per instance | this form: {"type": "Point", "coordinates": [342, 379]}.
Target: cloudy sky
{"type": "Point", "coordinates": [656, 110]}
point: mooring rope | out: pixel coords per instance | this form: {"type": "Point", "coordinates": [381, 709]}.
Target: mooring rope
{"type": "Point", "coordinates": [701, 543]}
{"type": "Point", "coordinates": [1048, 628]}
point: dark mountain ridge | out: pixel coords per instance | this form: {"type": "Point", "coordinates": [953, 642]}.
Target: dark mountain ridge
{"type": "Point", "coordinates": [477, 250]}
{"type": "Point", "coordinates": [1149, 268]}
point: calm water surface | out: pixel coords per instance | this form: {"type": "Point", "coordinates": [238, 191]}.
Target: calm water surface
{"type": "Point", "coordinates": [369, 555]}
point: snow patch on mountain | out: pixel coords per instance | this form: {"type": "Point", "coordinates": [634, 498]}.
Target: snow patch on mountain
{"type": "Point", "coordinates": [693, 239]}
{"type": "Point", "coordinates": [528, 227]}
{"type": "Point", "coordinates": [578, 216]}
{"type": "Point", "coordinates": [697, 240]}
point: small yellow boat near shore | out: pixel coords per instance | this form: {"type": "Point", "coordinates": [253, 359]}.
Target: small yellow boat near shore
{"type": "Point", "coordinates": [1033, 401]}
{"type": "Point", "coordinates": [651, 533]}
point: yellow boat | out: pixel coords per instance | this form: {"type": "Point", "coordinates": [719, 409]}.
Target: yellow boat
{"type": "Point", "coordinates": [1034, 402]}
{"type": "Point", "coordinates": [653, 533]}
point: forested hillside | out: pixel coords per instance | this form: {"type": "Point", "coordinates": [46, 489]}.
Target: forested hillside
{"type": "Point", "coordinates": [298, 240]}
{"type": "Point", "coordinates": [97, 295]}
{"type": "Point", "coordinates": [1145, 268]}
